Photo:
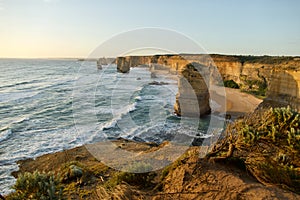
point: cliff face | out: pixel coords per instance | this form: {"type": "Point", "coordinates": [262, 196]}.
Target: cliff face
{"type": "Point", "coordinates": [275, 77]}
{"type": "Point", "coordinates": [261, 75]}
{"type": "Point", "coordinates": [284, 88]}
{"type": "Point", "coordinates": [125, 63]}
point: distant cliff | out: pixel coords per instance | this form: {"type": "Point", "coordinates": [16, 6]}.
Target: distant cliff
{"type": "Point", "coordinates": [275, 77]}
{"type": "Point", "coordinates": [284, 88]}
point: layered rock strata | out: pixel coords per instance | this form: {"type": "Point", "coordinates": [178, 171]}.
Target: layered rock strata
{"type": "Point", "coordinates": [192, 98]}
{"type": "Point", "coordinates": [284, 89]}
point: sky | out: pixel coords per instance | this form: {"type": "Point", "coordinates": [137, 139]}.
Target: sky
{"type": "Point", "coordinates": [74, 28]}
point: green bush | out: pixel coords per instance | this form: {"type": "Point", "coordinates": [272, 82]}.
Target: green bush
{"type": "Point", "coordinates": [279, 125]}
{"type": "Point", "coordinates": [256, 87]}
{"type": "Point", "coordinates": [36, 185]}
{"type": "Point", "coordinates": [231, 84]}
{"type": "Point", "coordinates": [138, 174]}
{"type": "Point", "coordinates": [72, 171]}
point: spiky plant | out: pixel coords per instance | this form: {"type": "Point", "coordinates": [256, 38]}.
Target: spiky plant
{"type": "Point", "coordinates": [268, 143]}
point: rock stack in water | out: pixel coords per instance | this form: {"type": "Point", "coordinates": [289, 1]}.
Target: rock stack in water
{"type": "Point", "coordinates": [192, 99]}
{"type": "Point", "coordinates": [99, 64]}
{"type": "Point", "coordinates": [123, 65]}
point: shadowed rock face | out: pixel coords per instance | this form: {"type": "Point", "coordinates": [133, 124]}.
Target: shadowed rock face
{"type": "Point", "coordinates": [192, 98]}
{"type": "Point", "coordinates": [122, 65]}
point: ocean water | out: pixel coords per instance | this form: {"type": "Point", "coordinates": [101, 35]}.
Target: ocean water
{"type": "Point", "coordinates": [51, 105]}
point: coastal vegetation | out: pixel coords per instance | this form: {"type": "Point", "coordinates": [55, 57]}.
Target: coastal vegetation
{"type": "Point", "coordinates": [258, 88]}
{"type": "Point", "coordinates": [264, 59]}
{"type": "Point", "coordinates": [37, 186]}
{"type": "Point", "coordinates": [267, 144]}
{"type": "Point", "coordinates": [231, 84]}
{"type": "Point", "coordinates": [138, 174]}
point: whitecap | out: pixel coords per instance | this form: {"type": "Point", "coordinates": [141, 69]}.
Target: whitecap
{"type": "Point", "coordinates": [138, 98]}
{"type": "Point", "coordinates": [117, 115]}
{"type": "Point", "coordinates": [4, 135]}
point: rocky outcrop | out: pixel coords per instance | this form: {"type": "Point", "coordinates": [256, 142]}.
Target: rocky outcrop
{"type": "Point", "coordinates": [125, 63]}
{"type": "Point", "coordinates": [192, 98]}
{"type": "Point", "coordinates": [260, 75]}
{"type": "Point", "coordinates": [122, 65]}
{"type": "Point", "coordinates": [99, 65]}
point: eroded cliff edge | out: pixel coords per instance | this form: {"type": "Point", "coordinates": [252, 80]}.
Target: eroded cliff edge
{"type": "Point", "coordinates": [277, 78]}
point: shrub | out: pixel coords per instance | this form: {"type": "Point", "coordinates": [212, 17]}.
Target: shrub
{"type": "Point", "coordinates": [231, 84]}
{"type": "Point", "coordinates": [256, 87]}
{"type": "Point", "coordinates": [137, 174]}
{"type": "Point", "coordinates": [37, 185]}
{"type": "Point", "coordinates": [72, 171]}
{"type": "Point", "coordinates": [268, 143]}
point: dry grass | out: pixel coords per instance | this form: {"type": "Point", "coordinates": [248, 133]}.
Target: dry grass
{"type": "Point", "coordinates": [267, 142]}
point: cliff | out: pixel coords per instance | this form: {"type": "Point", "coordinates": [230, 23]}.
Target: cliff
{"type": "Point", "coordinates": [277, 78]}
{"type": "Point", "coordinates": [125, 63]}
{"type": "Point", "coordinates": [284, 89]}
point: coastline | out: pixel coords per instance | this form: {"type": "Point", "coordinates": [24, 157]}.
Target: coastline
{"type": "Point", "coordinates": [233, 102]}
{"type": "Point", "coordinates": [188, 178]}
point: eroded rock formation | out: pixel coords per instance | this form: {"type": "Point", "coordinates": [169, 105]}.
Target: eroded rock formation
{"type": "Point", "coordinates": [192, 98]}
{"type": "Point", "coordinates": [122, 65]}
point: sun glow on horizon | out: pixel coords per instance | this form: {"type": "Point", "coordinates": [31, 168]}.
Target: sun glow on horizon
{"type": "Point", "coordinates": [73, 29]}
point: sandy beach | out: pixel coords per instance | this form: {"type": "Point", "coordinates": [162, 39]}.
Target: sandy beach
{"type": "Point", "coordinates": [233, 101]}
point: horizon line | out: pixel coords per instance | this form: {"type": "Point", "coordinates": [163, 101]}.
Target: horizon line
{"type": "Point", "coordinates": [83, 57]}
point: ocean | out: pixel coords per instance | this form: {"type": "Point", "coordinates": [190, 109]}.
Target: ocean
{"type": "Point", "coordinates": [51, 105]}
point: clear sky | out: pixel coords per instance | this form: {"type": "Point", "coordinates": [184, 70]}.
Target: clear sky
{"type": "Point", "coordinates": [73, 28]}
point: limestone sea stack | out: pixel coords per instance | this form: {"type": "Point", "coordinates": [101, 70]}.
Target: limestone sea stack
{"type": "Point", "coordinates": [123, 65]}
{"type": "Point", "coordinates": [99, 65]}
{"type": "Point", "coordinates": [192, 99]}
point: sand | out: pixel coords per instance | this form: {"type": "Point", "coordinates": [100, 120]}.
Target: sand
{"type": "Point", "coordinates": [233, 101]}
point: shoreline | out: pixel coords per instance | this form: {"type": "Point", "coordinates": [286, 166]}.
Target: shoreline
{"type": "Point", "coordinates": [234, 102]}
